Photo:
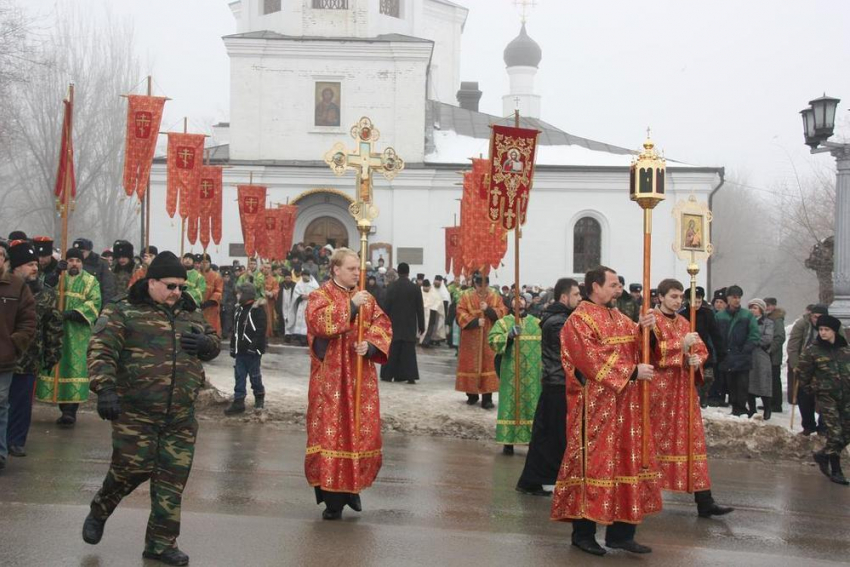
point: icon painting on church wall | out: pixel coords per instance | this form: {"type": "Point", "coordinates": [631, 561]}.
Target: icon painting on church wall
{"type": "Point", "coordinates": [692, 232]}
{"type": "Point", "coordinates": [327, 103]}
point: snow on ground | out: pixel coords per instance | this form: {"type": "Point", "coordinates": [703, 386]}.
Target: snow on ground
{"type": "Point", "coordinates": [433, 407]}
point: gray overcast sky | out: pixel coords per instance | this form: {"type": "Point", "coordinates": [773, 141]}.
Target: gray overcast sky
{"type": "Point", "coordinates": [720, 82]}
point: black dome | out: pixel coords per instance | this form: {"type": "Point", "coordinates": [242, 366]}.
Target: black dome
{"type": "Point", "coordinates": [523, 51]}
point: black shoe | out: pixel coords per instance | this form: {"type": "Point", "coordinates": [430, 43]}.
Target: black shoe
{"type": "Point", "coordinates": [533, 490]}
{"type": "Point", "coordinates": [236, 407]}
{"type": "Point", "coordinates": [93, 529]}
{"type": "Point", "coordinates": [767, 412]}
{"type": "Point", "coordinates": [172, 556]}
{"type": "Point", "coordinates": [724, 405]}
{"type": "Point", "coordinates": [259, 401]}
{"type": "Point", "coordinates": [2, 464]}
{"type": "Point", "coordinates": [703, 405]}
{"type": "Point", "coordinates": [411, 381]}
{"type": "Point", "coordinates": [471, 399]}
{"type": "Point", "coordinates": [386, 379]}
{"type": "Point", "coordinates": [590, 546]}
{"type": "Point", "coordinates": [354, 503]}
{"type": "Point", "coordinates": [714, 510]}
{"type": "Point", "coordinates": [807, 432]}
{"type": "Point", "coordinates": [837, 475]}
{"type": "Point", "coordinates": [823, 462]}
{"type": "Point", "coordinates": [67, 421]}
{"type": "Point", "coordinates": [629, 545]}
{"type": "Point", "coordinates": [507, 449]}
{"type": "Point", "coordinates": [329, 514]}
{"type": "Point", "coordinates": [17, 451]}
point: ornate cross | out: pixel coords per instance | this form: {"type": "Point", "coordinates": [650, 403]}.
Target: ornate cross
{"type": "Point", "coordinates": [185, 154]}
{"type": "Point", "coordinates": [365, 161]}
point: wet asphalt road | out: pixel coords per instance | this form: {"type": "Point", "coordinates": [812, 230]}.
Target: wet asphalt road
{"type": "Point", "coordinates": [436, 502]}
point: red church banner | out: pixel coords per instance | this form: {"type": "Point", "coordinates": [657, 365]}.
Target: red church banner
{"type": "Point", "coordinates": [454, 252]}
{"type": "Point", "coordinates": [483, 243]}
{"type": "Point", "coordinates": [511, 171]}
{"type": "Point", "coordinates": [65, 174]}
{"type": "Point", "coordinates": [185, 158]}
{"type": "Point", "coordinates": [144, 116]}
{"type": "Point", "coordinates": [289, 213]}
{"type": "Point", "coordinates": [480, 176]}
{"type": "Point", "coordinates": [209, 204]}
{"type": "Point", "coordinates": [252, 206]}
{"type": "Point", "coordinates": [267, 234]}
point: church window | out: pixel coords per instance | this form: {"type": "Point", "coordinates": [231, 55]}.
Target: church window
{"type": "Point", "coordinates": [271, 6]}
{"type": "Point", "coordinates": [587, 245]}
{"type": "Point", "coordinates": [391, 8]}
{"type": "Point", "coordinates": [330, 4]}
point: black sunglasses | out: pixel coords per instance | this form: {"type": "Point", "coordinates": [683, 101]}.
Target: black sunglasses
{"type": "Point", "coordinates": [173, 286]}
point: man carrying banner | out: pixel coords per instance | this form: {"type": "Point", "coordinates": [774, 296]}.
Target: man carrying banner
{"type": "Point", "coordinates": [478, 309]}
{"type": "Point", "coordinates": [341, 460]}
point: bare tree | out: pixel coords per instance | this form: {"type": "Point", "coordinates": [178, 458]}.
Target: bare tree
{"type": "Point", "coordinates": [99, 58]}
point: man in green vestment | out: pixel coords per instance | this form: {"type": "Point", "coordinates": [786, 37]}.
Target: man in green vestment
{"type": "Point", "coordinates": [68, 384]}
{"type": "Point", "coordinates": [253, 276]}
{"type": "Point", "coordinates": [196, 284]}
{"type": "Point", "coordinates": [517, 401]}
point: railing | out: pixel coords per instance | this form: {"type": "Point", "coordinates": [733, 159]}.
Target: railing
{"type": "Point", "coordinates": [330, 4]}
{"type": "Point", "coordinates": [391, 8]}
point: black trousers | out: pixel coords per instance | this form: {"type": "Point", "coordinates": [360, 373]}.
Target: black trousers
{"type": "Point", "coordinates": [739, 384]}
{"type": "Point", "coordinates": [335, 501]}
{"type": "Point", "coordinates": [548, 438]}
{"type": "Point", "coordinates": [776, 399]}
{"type": "Point", "coordinates": [719, 389]}
{"type": "Point", "coordinates": [806, 403]}
{"type": "Point", "coordinates": [617, 532]}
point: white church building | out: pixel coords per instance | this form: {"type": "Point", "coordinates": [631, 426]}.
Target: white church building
{"type": "Point", "coordinates": [302, 72]}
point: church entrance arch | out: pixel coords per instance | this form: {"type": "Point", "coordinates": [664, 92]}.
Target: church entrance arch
{"type": "Point", "coordinates": [326, 230]}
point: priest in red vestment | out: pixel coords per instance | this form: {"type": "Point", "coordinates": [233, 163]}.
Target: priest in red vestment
{"type": "Point", "coordinates": [342, 461]}
{"type": "Point", "coordinates": [674, 348]}
{"type": "Point", "coordinates": [477, 310]}
{"type": "Point", "coordinates": [601, 478]}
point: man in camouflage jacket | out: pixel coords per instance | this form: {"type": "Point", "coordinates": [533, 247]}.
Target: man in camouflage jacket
{"type": "Point", "coordinates": [824, 370]}
{"type": "Point", "coordinates": [145, 366]}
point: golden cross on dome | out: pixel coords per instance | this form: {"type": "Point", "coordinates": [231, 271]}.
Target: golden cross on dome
{"type": "Point", "coordinates": [525, 7]}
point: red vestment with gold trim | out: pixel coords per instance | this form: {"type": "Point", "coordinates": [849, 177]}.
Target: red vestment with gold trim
{"type": "Point", "coordinates": [337, 460]}
{"type": "Point", "coordinates": [604, 423]}
{"type": "Point", "coordinates": [476, 373]}
{"type": "Point", "coordinates": [669, 407]}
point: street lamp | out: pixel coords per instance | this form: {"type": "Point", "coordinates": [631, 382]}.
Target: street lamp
{"type": "Point", "coordinates": [818, 127]}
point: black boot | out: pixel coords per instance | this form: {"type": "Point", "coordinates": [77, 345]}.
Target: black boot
{"type": "Point", "coordinates": [93, 529]}
{"type": "Point", "coordinates": [822, 460]}
{"type": "Point", "coordinates": [507, 449]}
{"type": "Point", "coordinates": [171, 556]}
{"type": "Point", "coordinates": [471, 399]}
{"type": "Point", "coordinates": [487, 401]}
{"type": "Point", "coordinates": [751, 406]}
{"type": "Point", "coordinates": [237, 407]}
{"type": "Point", "coordinates": [354, 503]}
{"type": "Point", "coordinates": [584, 537]}
{"type": "Point", "coordinates": [837, 475]}
{"type": "Point", "coordinates": [768, 409]}
{"type": "Point", "coordinates": [259, 401]}
{"type": "Point", "coordinates": [707, 507]}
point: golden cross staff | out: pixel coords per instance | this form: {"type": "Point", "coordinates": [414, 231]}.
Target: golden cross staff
{"type": "Point", "coordinates": [365, 161]}
{"type": "Point", "coordinates": [692, 243]}
{"type": "Point", "coordinates": [646, 187]}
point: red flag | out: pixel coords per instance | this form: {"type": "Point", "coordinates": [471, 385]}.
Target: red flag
{"type": "Point", "coordinates": [289, 213]}
{"type": "Point", "coordinates": [209, 195]}
{"type": "Point", "coordinates": [215, 216]}
{"type": "Point", "coordinates": [185, 158]}
{"type": "Point", "coordinates": [483, 243]}
{"type": "Point", "coordinates": [454, 261]}
{"type": "Point", "coordinates": [511, 172]}
{"type": "Point", "coordinates": [192, 228]}
{"type": "Point", "coordinates": [267, 234]}
{"type": "Point", "coordinates": [480, 171]}
{"type": "Point", "coordinates": [144, 116]}
{"type": "Point", "coordinates": [65, 174]}
{"type": "Point", "coordinates": [252, 205]}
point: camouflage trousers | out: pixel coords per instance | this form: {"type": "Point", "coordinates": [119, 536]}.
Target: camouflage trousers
{"type": "Point", "coordinates": [834, 408]}
{"type": "Point", "coordinates": [145, 449]}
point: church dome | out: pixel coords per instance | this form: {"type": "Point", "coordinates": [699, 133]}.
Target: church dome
{"type": "Point", "coordinates": [523, 51]}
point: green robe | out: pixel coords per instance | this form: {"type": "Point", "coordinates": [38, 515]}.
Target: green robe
{"type": "Point", "coordinates": [71, 385]}
{"type": "Point", "coordinates": [510, 428]}
{"type": "Point", "coordinates": [197, 286]}
{"type": "Point", "coordinates": [259, 282]}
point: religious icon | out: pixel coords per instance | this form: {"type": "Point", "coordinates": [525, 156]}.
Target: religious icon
{"type": "Point", "coordinates": [327, 104]}
{"type": "Point", "coordinates": [692, 232]}
{"type": "Point", "coordinates": [512, 163]}
{"type": "Point", "coordinates": [381, 251]}
{"type": "Point", "coordinates": [143, 124]}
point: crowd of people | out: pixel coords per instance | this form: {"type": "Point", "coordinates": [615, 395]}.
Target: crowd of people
{"type": "Point", "coordinates": [565, 360]}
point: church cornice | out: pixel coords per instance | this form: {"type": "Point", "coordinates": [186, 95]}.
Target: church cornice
{"type": "Point", "coordinates": [324, 48]}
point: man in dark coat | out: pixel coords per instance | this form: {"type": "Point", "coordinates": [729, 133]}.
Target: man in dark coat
{"type": "Point", "coordinates": [403, 304]}
{"type": "Point", "coordinates": [549, 430]}
{"type": "Point", "coordinates": [48, 266]}
{"type": "Point", "coordinates": [708, 333]}
{"type": "Point", "coordinates": [99, 268]}
{"type": "Point", "coordinates": [741, 335]}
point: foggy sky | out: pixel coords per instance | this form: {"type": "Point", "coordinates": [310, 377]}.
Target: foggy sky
{"type": "Point", "coordinates": [720, 83]}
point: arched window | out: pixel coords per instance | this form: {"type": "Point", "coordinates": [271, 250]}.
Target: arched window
{"type": "Point", "coordinates": [587, 245]}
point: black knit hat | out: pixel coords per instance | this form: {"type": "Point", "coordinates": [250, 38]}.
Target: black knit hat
{"type": "Point", "coordinates": [166, 265]}
{"type": "Point", "coordinates": [43, 246]}
{"type": "Point", "coordinates": [74, 253]}
{"type": "Point", "coordinates": [84, 244]}
{"type": "Point", "coordinates": [823, 321]}
{"type": "Point", "coordinates": [820, 309]}
{"type": "Point", "coordinates": [122, 249]}
{"type": "Point", "coordinates": [20, 253]}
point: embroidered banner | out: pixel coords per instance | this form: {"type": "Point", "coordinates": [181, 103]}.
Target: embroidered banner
{"type": "Point", "coordinates": [481, 176]}
{"type": "Point", "coordinates": [511, 171]}
{"type": "Point", "coordinates": [209, 204]}
{"type": "Point", "coordinates": [267, 234]}
{"type": "Point", "coordinates": [289, 213]}
{"type": "Point", "coordinates": [483, 243]}
{"type": "Point", "coordinates": [252, 205]}
{"type": "Point", "coordinates": [65, 176]}
{"type": "Point", "coordinates": [453, 251]}
{"type": "Point", "coordinates": [185, 159]}
{"type": "Point", "coordinates": [144, 116]}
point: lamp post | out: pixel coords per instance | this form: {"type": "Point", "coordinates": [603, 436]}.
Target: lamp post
{"type": "Point", "coordinates": [818, 126]}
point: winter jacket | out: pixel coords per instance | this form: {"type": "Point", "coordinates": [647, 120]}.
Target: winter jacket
{"type": "Point", "coordinates": [708, 332]}
{"type": "Point", "coordinates": [824, 368]}
{"type": "Point", "coordinates": [778, 318]}
{"type": "Point", "coordinates": [761, 373]}
{"type": "Point", "coordinates": [249, 330]}
{"type": "Point", "coordinates": [99, 268]}
{"type": "Point", "coordinates": [17, 319]}
{"type": "Point", "coordinates": [45, 350]}
{"type": "Point", "coordinates": [798, 340]}
{"type": "Point", "coordinates": [553, 320]}
{"type": "Point", "coordinates": [740, 332]}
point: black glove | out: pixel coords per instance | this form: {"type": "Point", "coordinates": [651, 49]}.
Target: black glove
{"type": "Point", "coordinates": [208, 303]}
{"type": "Point", "coordinates": [107, 405]}
{"type": "Point", "coordinates": [62, 265]}
{"type": "Point", "coordinates": [514, 332]}
{"type": "Point", "coordinates": [232, 353]}
{"type": "Point", "coordinates": [75, 316]}
{"type": "Point", "coordinates": [195, 343]}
